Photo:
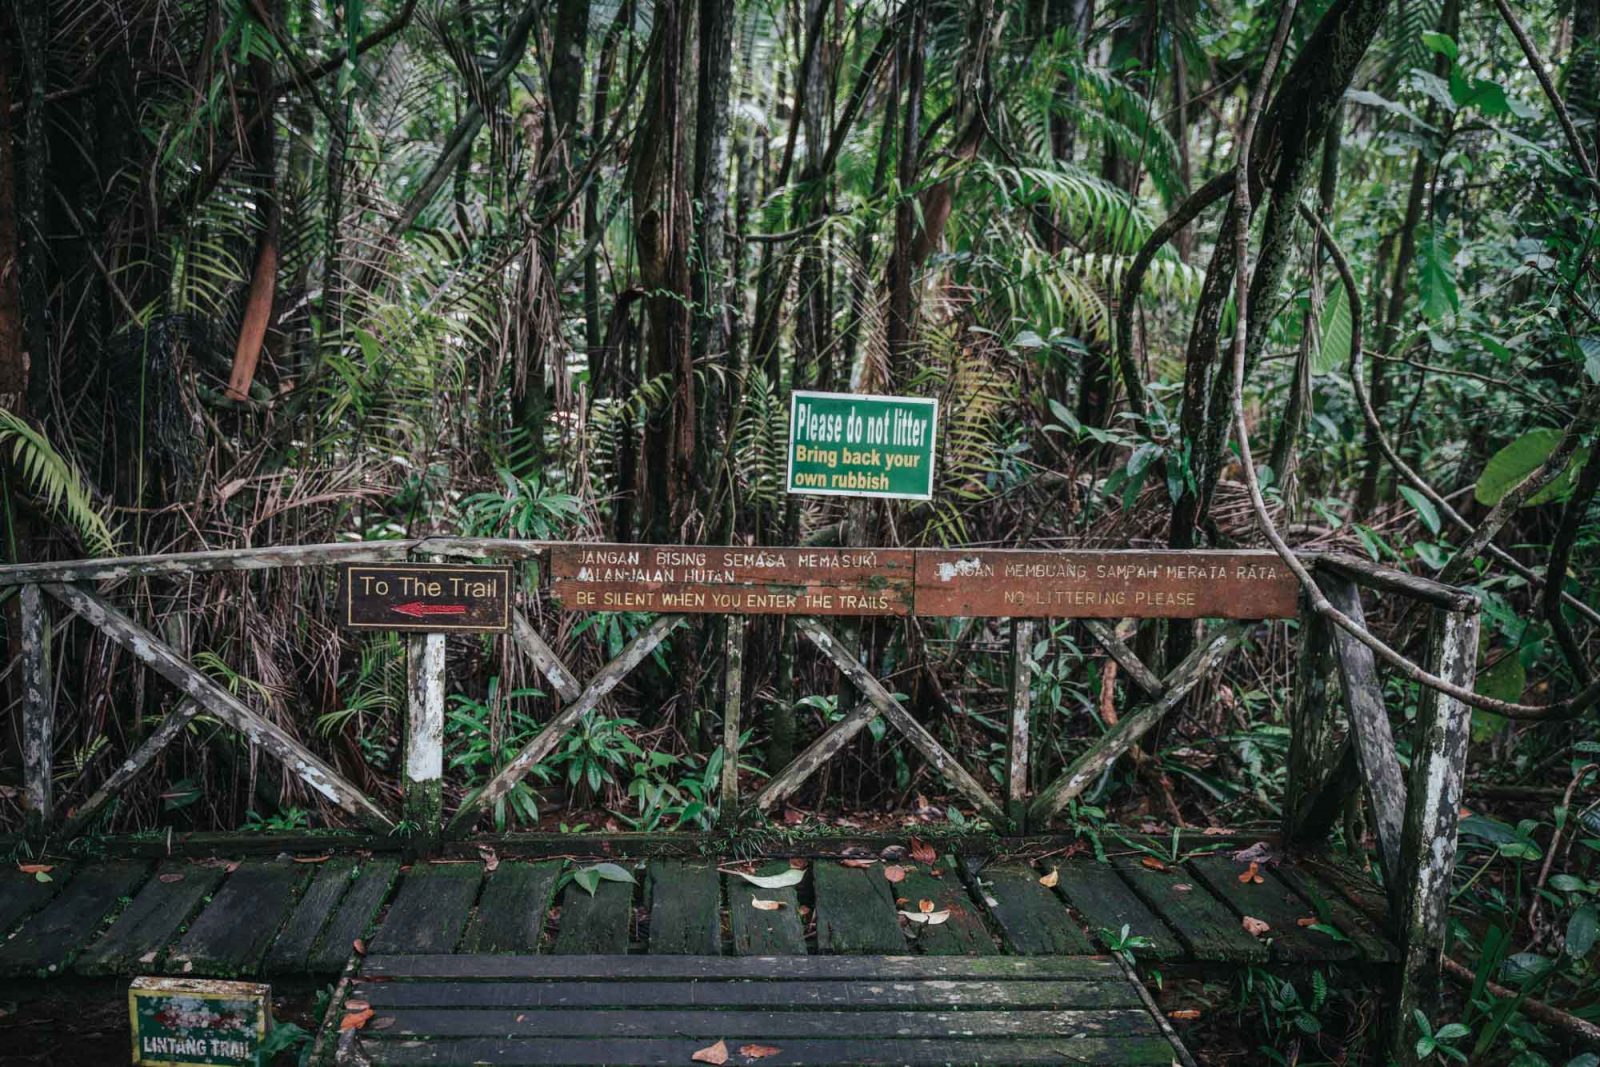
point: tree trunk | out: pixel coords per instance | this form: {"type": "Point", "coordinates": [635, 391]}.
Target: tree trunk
{"type": "Point", "coordinates": [901, 270]}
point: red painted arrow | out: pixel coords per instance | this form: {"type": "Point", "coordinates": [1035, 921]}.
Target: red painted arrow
{"type": "Point", "coordinates": [417, 609]}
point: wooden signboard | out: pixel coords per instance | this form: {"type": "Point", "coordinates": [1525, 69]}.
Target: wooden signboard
{"type": "Point", "coordinates": [1106, 585]}
{"type": "Point", "coordinates": [198, 1021]}
{"type": "Point", "coordinates": [425, 597]}
{"type": "Point", "coordinates": [732, 580]}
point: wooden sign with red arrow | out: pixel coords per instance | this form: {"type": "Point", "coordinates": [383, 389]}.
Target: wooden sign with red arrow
{"type": "Point", "coordinates": [426, 597]}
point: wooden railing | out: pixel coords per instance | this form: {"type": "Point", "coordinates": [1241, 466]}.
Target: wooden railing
{"type": "Point", "coordinates": [1414, 817]}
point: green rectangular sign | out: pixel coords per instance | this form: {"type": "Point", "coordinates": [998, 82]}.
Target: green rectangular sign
{"type": "Point", "coordinates": [855, 444]}
{"type": "Point", "coordinates": [179, 1021]}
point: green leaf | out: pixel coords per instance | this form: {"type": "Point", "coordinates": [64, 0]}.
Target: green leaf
{"type": "Point", "coordinates": [1436, 276]}
{"type": "Point", "coordinates": [1509, 466]}
{"type": "Point", "coordinates": [1441, 43]}
{"type": "Point", "coordinates": [588, 879]}
{"type": "Point", "coordinates": [1589, 347]}
{"type": "Point", "coordinates": [611, 872]}
{"type": "Point", "coordinates": [1581, 931]}
{"type": "Point", "coordinates": [1333, 341]}
{"type": "Point", "coordinates": [1451, 1031]}
{"type": "Point", "coordinates": [1425, 509]}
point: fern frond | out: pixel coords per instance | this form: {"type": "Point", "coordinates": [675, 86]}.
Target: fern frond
{"type": "Point", "coordinates": [57, 481]}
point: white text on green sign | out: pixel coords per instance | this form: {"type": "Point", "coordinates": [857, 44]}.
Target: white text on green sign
{"type": "Point", "coordinates": [855, 444]}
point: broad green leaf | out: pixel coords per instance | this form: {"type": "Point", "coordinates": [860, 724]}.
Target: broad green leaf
{"type": "Point", "coordinates": [1371, 99]}
{"type": "Point", "coordinates": [1568, 883]}
{"type": "Point", "coordinates": [1434, 87]}
{"type": "Point", "coordinates": [1441, 43]}
{"type": "Point", "coordinates": [1451, 1031]}
{"type": "Point", "coordinates": [1436, 276]}
{"type": "Point", "coordinates": [1581, 931]}
{"type": "Point", "coordinates": [1589, 346]}
{"type": "Point", "coordinates": [1507, 467]}
{"type": "Point", "coordinates": [1333, 340]}
{"type": "Point", "coordinates": [1425, 509]}
{"type": "Point", "coordinates": [588, 879]}
{"type": "Point", "coordinates": [611, 872]}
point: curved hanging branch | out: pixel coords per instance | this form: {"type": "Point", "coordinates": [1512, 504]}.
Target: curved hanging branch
{"type": "Point", "coordinates": [1536, 61]}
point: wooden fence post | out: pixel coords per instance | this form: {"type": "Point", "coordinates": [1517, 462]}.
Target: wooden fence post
{"type": "Point", "coordinates": [38, 711]}
{"type": "Point", "coordinates": [1312, 796]}
{"type": "Point", "coordinates": [423, 801]}
{"type": "Point", "coordinates": [1017, 737]}
{"type": "Point", "coordinates": [1428, 843]}
{"type": "Point", "coordinates": [733, 685]}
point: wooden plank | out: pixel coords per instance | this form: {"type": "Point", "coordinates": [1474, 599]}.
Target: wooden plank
{"type": "Point", "coordinates": [1107, 905]}
{"type": "Point", "coordinates": [875, 995]}
{"type": "Point", "coordinates": [22, 893]}
{"type": "Point", "coordinates": [49, 939]}
{"type": "Point", "coordinates": [963, 933]}
{"type": "Point", "coordinates": [1389, 580]}
{"type": "Point", "coordinates": [171, 725]}
{"type": "Point", "coordinates": [765, 933]}
{"type": "Point", "coordinates": [1126, 658]}
{"type": "Point", "coordinates": [1189, 584]}
{"type": "Point", "coordinates": [671, 1052]}
{"type": "Point", "coordinates": [1032, 919]}
{"type": "Point", "coordinates": [685, 908]}
{"type": "Point", "coordinates": [431, 909]}
{"type": "Point", "coordinates": [1369, 725]}
{"type": "Point", "coordinates": [734, 579]}
{"type": "Point", "coordinates": [1327, 903]}
{"type": "Point", "coordinates": [511, 913]}
{"type": "Point", "coordinates": [1018, 748]}
{"type": "Point", "coordinates": [764, 1026]}
{"type": "Point", "coordinates": [168, 901]}
{"type": "Point", "coordinates": [752, 968]}
{"type": "Point", "coordinates": [855, 911]}
{"type": "Point", "coordinates": [38, 711]}
{"type": "Point", "coordinates": [601, 924]}
{"type": "Point", "coordinates": [291, 949]}
{"type": "Point", "coordinates": [1207, 927]}
{"type": "Point", "coordinates": [1432, 816]}
{"type": "Point", "coordinates": [353, 919]}
{"type": "Point", "coordinates": [422, 788]}
{"type": "Point", "coordinates": [544, 657]}
{"type": "Point", "coordinates": [1275, 904]}
{"type": "Point", "coordinates": [233, 932]}
{"type": "Point", "coordinates": [943, 763]}
{"type": "Point", "coordinates": [604, 681]}
{"type": "Point", "coordinates": [1087, 768]}
{"type": "Point", "coordinates": [165, 661]}
{"type": "Point", "coordinates": [227, 559]}
{"type": "Point", "coordinates": [732, 693]}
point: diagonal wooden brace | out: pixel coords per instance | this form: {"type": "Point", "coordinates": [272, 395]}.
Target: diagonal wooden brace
{"type": "Point", "coordinates": [604, 681]}
{"type": "Point", "coordinates": [942, 761]}
{"type": "Point", "coordinates": [1126, 658]}
{"type": "Point", "coordinates": [803, 766]}
{"type": "Point", "coordinates": [1104, 752]}
{"type": "Point", "coordinates": [544, 657]}
{"type": "Point", "coordinates": [128, 769]}
{"type": "Point", "coordinates": [167, 662]}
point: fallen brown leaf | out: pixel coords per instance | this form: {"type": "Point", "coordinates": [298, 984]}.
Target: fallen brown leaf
{"type": "Point", "coordinates": [893, 873]}
{"type": "Point", "coordinates": [356, 1005]}
{"type": "Point", "coordinates": [799, 863]}
{"type": "Point", "coordinates": [1049, 881]}
{"type": "Point", "coordinates": [1184, 1013]}
{"type": "Point", "coordinates": [925, 906]}
{"type": "Point", "coordinates": [313, 859]}
{"type": "Point", "coordinates": [360, 946]}
{"type": "Point", "coordinates": [717, 1053]}
{"type": "Point", "coordinates": [923, 852]}
{"type": "Point", "coordinates": [1249, 874]}
{"type": "Point", "coordinates": [36, 868]}
{"type": "Point", "coordinates": [491, 860]}
{"type": "Point", "coordinates": [857, 863]}
{"type": "Point", "coordinates": [171, 877]}
{"type": "Point", "coordinates": [355, 1020]}
{"type": "Point", "coordinates": [1153, 863]}
{"type": "Point", "coordinates": [1306, 920]}
{"type": "Point", "coordinates": [758, 1052]}
{"type": "Point", "coordinates": [386, 1022]}
{"type": "Point", "coordinates": [1216, 831]}
{"type": "Point", "coordinates": [1253, 926]}
{"type": "Point", "coordinates": [1183, 887]}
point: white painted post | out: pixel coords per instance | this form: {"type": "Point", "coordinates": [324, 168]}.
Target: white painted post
{"type": "Point", "coordinates": [424, 769]}
{"type": "Point", "coordinates": [1017, 738]}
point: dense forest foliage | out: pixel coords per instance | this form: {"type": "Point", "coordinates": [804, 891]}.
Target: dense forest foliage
{"type": "Point", "coordinates": [1180, 274]}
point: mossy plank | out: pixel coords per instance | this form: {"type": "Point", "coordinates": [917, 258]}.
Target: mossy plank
{"type": "Point", "coordinates": [291, 949]}
{"type": "Point", "coordinates": [167, 901]}
{"type": "Point", "coordinates": [878, 995]}
{"type": "Point", "coordinates": [1275, 904]}
{"type": "Point", "coordinates": [1107, 905]}
{"type": "Point", "coordinates": [752, 968]}
{"type": "Point", "coordinates": [758, 932]}
{"type": "Point", "coordinates": [770, 1026]}
{"type": "Point", "coordinates": [963, 933]}
{"type": "Point", "coordinates": [1326, 902]}
{"type": "Point", "coordinates": [1032, 919]}
{"type": "Point", "coordinates": [685, 908]}
{"type": "Point", "coordinates": [598, 924]}
{"type": "Point", "coordinates": [431, 909]}
{"type": "Point", "coordinates": [353, 919]}
{"type": "Point", "coordinates": [48, 940]}
{"type": "Point", "coordinates": [22, 893]}
{"type": "Point", "coordinates": [233, 932]}
{"type": "Point", "coordinates": [1208, 928]}
{"type": "Point", "coordinates": [855, 910]}
{"type": "Point", "coordinates": [664, 1051]}
{"type": "Point", "coordinates": [511, 912]}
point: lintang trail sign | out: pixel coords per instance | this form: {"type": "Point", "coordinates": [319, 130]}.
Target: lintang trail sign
{"type": "Point", "coordinates": [856, 444]}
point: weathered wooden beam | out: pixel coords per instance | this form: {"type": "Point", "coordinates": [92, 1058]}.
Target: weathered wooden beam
{"type": "Point", "coordinates": [235, 559]}
{"type": "Point", "coordinates": [38, 710]}
{"type": "Point", "coordinates": [1389, 580]}
{"type": "Point", "coordinates": [1126, 658]}
{"type": "Point", "coordinates": [544, 657]}
{"type": "Point", "coordinates": [1312, 796]}
{"type": "Point", "coordinates": [501, 548]}
{"type": "Point", "coordinates": [151, 747]}
{"type": "Point", "coordinates": [1428, 843]}
{"type": "Point", "coordinates": [161, 657]}
{"type": "Point", "coordinates": [605, 680]}
{"type": "Point", "coordinates": [1370, 732]}
{"type": "Point", "coordinates": [820, 751]}
{"type": "Point", "coordinates": [422, 790]}
{"type": "Point", "coordinates": [732, 691]}
{"type": "Point", "coordinates": [1120, 738]}
{"type": "Point", "coordinates": [1018, 747]}
{"type": "Point", "coordinates": [945, 764]}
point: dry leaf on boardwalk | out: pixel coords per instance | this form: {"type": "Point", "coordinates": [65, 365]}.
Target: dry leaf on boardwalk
{"type": "Point", "coordinates": [355, 1020]}
{"type": "Point", "coordinates": [1306, 920]}
{"type": "Point", "coordinates": [765, 905]}
{"type": "Point", "coordinates": [1252, 873]}
{"type": "Point", "coordinates": [758, 1052]}
{"type": "Point", "coordinates": [929, 918]}
{"type": "Point", "coordinates": [857, 863]}
{"type": "Point", "coordinates": [1050, 880]}
{"type": "Point", "coordinates": [356, 1005]}
{"type": "Point", "coordinates": [1153, 863]}
{"type": "Point", "coordinates": [893, 873]}
{"type": "Point", "coordinates": [1184, 1013]}
{"type": "Point", "coordinates": [717, 1053]}
{"type": "Point", "coordinates": [36, 868]}
{"type": "Point", "coordinates": [925, 906]}
{"type": "Point", "coordinates": [313, 859]}
{"type": "Point", "coordinates": [923, 852]}
{"type": "Point", "coordinates": [1254, 926]}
